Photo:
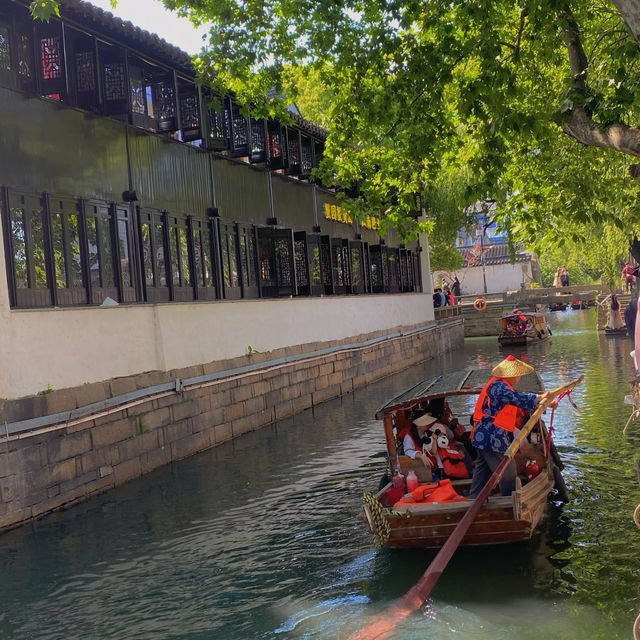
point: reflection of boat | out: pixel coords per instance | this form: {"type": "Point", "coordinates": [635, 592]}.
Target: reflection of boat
{"type": "Point", "coordinates": [612, 333]}
{"type": "Point", "coordinates": [523, 327]}
{"type": "Point", "coordinates": [502, 519]}
{"type": "Point", "coordinates": [557, 306]}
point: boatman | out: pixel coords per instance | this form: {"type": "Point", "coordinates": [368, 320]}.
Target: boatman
{"type": "Point", "coordinates": [494, 423]}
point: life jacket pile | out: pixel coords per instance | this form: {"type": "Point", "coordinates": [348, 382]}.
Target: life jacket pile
{"type": "Point", "coordinates": [453, 462]}
{"type": "Point", "coordinates": [434, 493]}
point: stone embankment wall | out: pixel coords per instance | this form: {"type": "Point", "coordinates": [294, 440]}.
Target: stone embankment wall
{"type": "Point", "coordinates": [483, 323]}
{"type": "Point", "coordinates": [101, 435]}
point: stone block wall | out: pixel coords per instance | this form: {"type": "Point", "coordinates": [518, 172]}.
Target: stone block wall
{"type": "Point", "coordinates": [57, 466]}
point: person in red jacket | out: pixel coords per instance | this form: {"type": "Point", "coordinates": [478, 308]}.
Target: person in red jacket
{"type": "Point", "coordinates": [627, 276]}
{"type": "Point", "coordinates": [494, 421]}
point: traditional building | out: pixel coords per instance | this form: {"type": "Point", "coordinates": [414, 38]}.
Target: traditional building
{"type": "Point", "coordinates": [175, 274]}
{"type": "Point", "coordinates": [489, 264]}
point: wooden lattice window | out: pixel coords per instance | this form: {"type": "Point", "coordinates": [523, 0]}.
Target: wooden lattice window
{"type": "Point", "coordinates": [257, 151]}
{"type": "Point", "coordinates": [300, 258]}
{"type": "Point", "coordinates": [293, 151]}
{"type": "Point", "coordinates": [306, 156]}
{"type": "Point", "coordinates": [5, 49]}
{"type": "Point", "coordinates": [276, 145]}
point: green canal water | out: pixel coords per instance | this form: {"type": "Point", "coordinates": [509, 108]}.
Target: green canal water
{"type": "Point", "coordinates": [261, 538]}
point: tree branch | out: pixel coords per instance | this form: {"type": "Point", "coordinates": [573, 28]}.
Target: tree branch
{"type": "Point", "coordinates": [578, 124]}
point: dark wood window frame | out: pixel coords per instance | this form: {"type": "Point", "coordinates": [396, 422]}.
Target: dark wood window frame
{"type": "Point", "coordinates": [152, 239]}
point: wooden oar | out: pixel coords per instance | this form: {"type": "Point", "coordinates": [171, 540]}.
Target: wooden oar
{"type": "Point", "coordinates": [383, 623]}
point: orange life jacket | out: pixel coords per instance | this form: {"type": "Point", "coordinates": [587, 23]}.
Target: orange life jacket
{"type": "Point", "coordinates": [505, 418]}
{"type": "Point", "coordinates": [437, 492]}
{"type": "Point", "coordinates": [453, 462]}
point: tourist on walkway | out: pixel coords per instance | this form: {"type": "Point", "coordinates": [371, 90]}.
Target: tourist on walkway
{"type": "Point", "coordinates": [627, 276]}
{"type": "Point", "coordinates": [556, 279]}
{"type": "Point", "coordinates": [564, 277]}
{"type": "Point", "coordinates": [494, 423]}
{"type": "Point", "coordinates": [455, 287]}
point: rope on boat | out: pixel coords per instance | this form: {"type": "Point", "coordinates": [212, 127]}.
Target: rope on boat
{"type": "Point", "coordinates": [381, 529]}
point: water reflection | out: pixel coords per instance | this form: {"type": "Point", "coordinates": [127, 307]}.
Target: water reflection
{"type": "Point", "coordinates": [260, 538]}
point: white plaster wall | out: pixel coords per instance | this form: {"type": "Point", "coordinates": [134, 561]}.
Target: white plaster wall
{"type": "Point", "coordinates": [68, 347]}
{"type": "Point", "coordinates": [500, 277]}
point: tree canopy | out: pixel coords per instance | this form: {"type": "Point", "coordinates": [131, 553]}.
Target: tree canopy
{"type": "Point", "coordinates": [535, 104]}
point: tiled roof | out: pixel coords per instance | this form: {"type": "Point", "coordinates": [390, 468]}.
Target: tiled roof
{"type": "Point", "coordinates": [493, 254]}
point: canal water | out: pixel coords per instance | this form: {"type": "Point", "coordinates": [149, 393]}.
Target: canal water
{"type": "Point", "coordinates": [261, 538]}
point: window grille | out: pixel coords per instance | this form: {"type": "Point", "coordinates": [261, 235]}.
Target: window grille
{"type": "Point", "coordinates": [50, 58]}
{"type": "Point", "coordinates": [85, 71]}
{"type": "Point", "coordinates": [5, 51]}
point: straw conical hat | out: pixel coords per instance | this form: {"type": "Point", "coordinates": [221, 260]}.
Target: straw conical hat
{"type": "Point", "coordinates": [511, 367]}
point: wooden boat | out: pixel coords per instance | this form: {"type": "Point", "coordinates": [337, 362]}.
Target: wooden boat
{"type": "Point", "coordinates": [578, 304]}
{"type": "Point", "coordinates": [523, 327]}
{"type": "Point", "coordinates": [557, 306]}
{"type": "Point", "coordinates": [502, 519]}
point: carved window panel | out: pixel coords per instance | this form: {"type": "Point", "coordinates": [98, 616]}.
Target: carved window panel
{"type": "Point", "coordinates": [239, 131]}
{"type": "Point", "coordinates": [376, 268]}
{"type": "Point", "coordinates": [248, 260]}
{"type": "Point", "coordinates": [5, 49]}
{"type": "Point", "coordinates": [138, 92]}
{"type": "Point", "coordinates": [393, 269]}
{"type": "Point", "coordinates": [51, 71]}
{"type": "Point", "coordinates": [300, 257]}
{"type": "Point", "coordinates": [306, 156]}
{"type": "Point", "coordinates": [81, 52]}
{"type": "Point", "coordinates": [26, 233]}
{"type": "Point", "coordinates": [51, 58]}
{"type": "Point", "coordinates": [115, 81]}
{"type": "Point", "coordinates": [86, 71]}
{"type": "Point", "coordinates": [124, 257]}
{"type": "Point", "coordinates": [293, 151]}
{"type": "Point", "coordinates": [229, 249]}
{"type": "Point", "coordinates": [179, 258]}
{"type": "Point", "coordinates": [258, 150]}
{"type": "Point", "coordinates": [218, 127]}
{"type": "Point", "coordinates": [164, 105]}
{"type": "Point", "coordinates": [115, 87]}
{"type": "Point", "coordinates": [101, 251]}
{"type": "Point", "coordinates": [67, 249]}
{"type": "Point", "coordinates": [276, 145]}
{"type": "Point", "coordinates": [204, 276]}
{"type": "Point", "coordinates": [356, 267]}
{"type": "Point", "coordinates": [275, 247]}
{"type": "Point", "coordinates": [319, 262]}
{"type": "Point", "coordinates": [190, 114]}
{"type": "Point", "coordinates": [24, 61]}
{"type": "Point", "coordinates": [152, 249]}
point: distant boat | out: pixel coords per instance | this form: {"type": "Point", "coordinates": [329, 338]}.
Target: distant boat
{"type": "Point", "coordinates": [612, 333]}
{"type": "Point", "coordinates": [523, 327]}
{"type": "Point", "coordinates": [557, 306]}
{"type": "Point", "coordinates": [578, 304]}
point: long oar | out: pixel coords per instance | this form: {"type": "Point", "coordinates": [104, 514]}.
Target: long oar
{"type": "Point", "coordinates": [383, 623]}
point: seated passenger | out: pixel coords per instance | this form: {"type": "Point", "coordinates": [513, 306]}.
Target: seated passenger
{"type": "Point", "coordinates": [456, 432]}
{"type": "Point", "coordinates": [418, 444]}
